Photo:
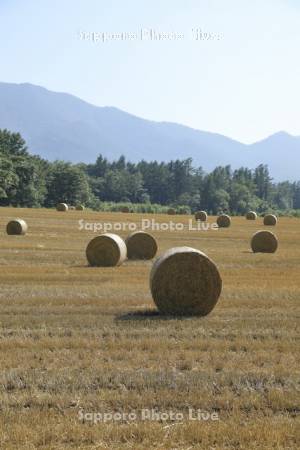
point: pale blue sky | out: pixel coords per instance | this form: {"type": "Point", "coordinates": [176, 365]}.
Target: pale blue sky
{"type": "Point", "coordinates": [245, 85]}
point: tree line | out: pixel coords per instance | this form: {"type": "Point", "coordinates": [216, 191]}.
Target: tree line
{"type": "Point", "coordinates": [30, 181]}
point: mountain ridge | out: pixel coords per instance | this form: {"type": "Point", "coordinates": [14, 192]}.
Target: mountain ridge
{"type": "Point", "coordinates": [59, 125]}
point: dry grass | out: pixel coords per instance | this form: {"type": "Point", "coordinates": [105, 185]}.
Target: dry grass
{"type": "Point", "coordinates": [73, 337]}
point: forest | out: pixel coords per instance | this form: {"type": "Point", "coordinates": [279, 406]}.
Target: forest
{"type": "Point", "coordinates": [30, 181]}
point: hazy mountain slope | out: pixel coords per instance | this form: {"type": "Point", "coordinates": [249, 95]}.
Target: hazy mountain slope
{"type": "Point", "coordinates": [281, 152]}
{"type": "Point", "coordinates": [57, 125]}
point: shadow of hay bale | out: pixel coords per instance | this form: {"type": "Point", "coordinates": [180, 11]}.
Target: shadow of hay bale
{"type": "Point", "coordinates": [151, 314]}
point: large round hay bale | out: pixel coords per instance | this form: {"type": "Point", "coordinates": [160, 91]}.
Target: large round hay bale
{"type": "Point", "coordinates": [79, 207]}
{"type": "Point", "coordinates": [106, 250]}
{"type": "Point", "coordinates": [201, 215]}
{"type": "Point", "coordinates": [264, 242]}
{"type": "Point", "coordinates": [224, 221]}
{"type": "Point", "coordinates": [171, 211]}
{"type": "Point", "coordinates": [184, 281]}
{"type": "Point", "coordinates": [141, 245]}
{"type": "Point", "coordinates": [17, 227]}
{"type": "Point", "coordinates": [270, 219]}
{"type": "Point", "coordinates": [251, 215]}
{"type": "Point", "coordinates": [62, 207]}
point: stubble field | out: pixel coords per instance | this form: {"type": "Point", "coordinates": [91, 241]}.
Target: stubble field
{"type": "Point", "coordinates": [76, 340]}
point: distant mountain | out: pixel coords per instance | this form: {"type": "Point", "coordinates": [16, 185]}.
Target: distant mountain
{"type": "Point", "coordinates": [61, 126]}
{"type": "Point", "coordinates": [281, 152]}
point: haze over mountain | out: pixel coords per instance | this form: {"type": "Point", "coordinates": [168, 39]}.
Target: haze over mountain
{"type": "Point", "coordinates": [62, 126]}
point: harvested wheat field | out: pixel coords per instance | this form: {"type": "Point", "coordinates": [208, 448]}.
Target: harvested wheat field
{"type": "Point", "coordinates": [76, 341]}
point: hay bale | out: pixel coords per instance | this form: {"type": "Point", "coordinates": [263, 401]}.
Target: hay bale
{"type": "Point", "coordinates": [125, 209]}
{"type": "Point", "coordinates": [224, 221]}
{"type": "Point", "coordinates": [264, 242]}
{"type": "Point", "coordinates": [17, 227]}
{"type": "Point", "coordinates": [251, 215]}
{"type": "Point", "coordinates": [171, 211]}
{"type": "Point", "coordinates": [270, 219]}
{"type": "Point", "coordinates": [79, 207]}
{"type": "Point", "coordinates": [184, 281]}
{"type": "Point", "coordinates": [201, 215]}
{"type": "Point", "coordinates": [106, 250]}
{"type": "Point", "coordinates": [141, 245]}
{"type": "Point", "coordinates": [62, 207]}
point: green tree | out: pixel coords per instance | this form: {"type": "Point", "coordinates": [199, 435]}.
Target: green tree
{"type": "Point", "coordinates": [67, 183]}
{"type": "Point", "coordinates": [263, 183]}
{"type": "Point", "coordinates": [22, 180]}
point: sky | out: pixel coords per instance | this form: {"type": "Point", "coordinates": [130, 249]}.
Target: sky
{"type": "Point", "coordinates": [225, 66]}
